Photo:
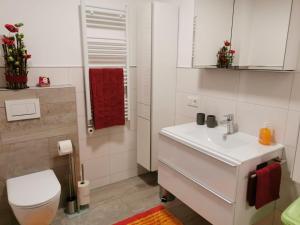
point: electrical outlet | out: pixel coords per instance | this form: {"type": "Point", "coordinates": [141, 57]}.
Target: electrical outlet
{"type": "Point", "coordinates": [193, 101]}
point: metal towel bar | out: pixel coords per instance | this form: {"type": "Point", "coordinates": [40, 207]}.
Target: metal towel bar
{"type": "Point", "coordinates": [281, 161]}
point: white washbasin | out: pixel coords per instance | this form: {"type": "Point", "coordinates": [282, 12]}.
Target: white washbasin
{"type": "Point", "coordinates": [234, 149]}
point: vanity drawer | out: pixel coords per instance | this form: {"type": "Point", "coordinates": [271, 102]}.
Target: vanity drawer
{"type": "Point", "coordinates": [206, 204]}
{"type": "Point", "coordinates": [216, 176]}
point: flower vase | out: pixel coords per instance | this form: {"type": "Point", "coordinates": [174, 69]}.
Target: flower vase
{"type": "Point", "coordinates": [16, 81]}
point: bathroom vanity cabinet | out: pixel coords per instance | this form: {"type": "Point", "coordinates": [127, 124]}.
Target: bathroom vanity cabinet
{"type": "Point", "coordinates": [210, 174]}
{"type": "Point", "coordinates": [264, 33]}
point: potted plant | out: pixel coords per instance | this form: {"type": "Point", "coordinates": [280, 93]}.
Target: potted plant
{"type": "Point", "coordinates": [225, 55]}
{"type": "Point", "coordinates": [15, 57]}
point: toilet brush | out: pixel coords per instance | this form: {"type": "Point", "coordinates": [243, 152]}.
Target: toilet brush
{"type": "Point", "coordinates": [71, 200]}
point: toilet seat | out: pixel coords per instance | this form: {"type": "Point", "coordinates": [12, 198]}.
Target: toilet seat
{"type": "Point", "coordinates": [33, 190]}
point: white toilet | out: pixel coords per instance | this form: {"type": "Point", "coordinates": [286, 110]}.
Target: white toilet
{"type": "Point", "coordinates": [34, 198]}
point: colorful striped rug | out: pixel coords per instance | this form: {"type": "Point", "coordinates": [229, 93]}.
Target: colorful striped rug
{"type": "Point", "coordinates": [156, 216]}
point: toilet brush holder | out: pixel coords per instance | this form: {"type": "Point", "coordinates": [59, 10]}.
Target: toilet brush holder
{"type": "Point", "coordinates": [71, 200]}
{"type": "Point", "coordinates": [71, 205]}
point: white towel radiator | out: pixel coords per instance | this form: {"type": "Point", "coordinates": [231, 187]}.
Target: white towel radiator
{"type": "Point", "coordinates": [105, 45]}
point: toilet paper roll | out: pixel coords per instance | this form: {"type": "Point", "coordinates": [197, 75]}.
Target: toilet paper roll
{"type": "Point", "coordinates": [65, 147]}
{"type": "Point", "coordinates": [83, 194]}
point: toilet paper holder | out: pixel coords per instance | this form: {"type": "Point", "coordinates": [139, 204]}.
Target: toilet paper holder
{"type": "Point", "coordinates": [65, 147]}
{"type": "Point", "coordinates": [83, 191]}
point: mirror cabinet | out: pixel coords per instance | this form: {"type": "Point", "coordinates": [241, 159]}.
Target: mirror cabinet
{"type": "Point", "coordinates": [265, 34]}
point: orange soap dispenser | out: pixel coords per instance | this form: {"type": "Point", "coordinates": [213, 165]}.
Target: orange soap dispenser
{"type": "Point", "coordinates": [266, 134]}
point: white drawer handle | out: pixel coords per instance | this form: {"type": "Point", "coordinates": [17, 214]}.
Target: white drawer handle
{"type": "Point", "coordinates": [197, 183]}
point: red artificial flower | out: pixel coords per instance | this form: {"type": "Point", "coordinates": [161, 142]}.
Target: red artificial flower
{"type": "Point", "coordinates": [11, 28]}
{"type": "Point", "coordinates": [232, 51]}
{"type": "Point", "coordinates": [8, 41]}
{"type": "Point", "coordinates": [227, 43]}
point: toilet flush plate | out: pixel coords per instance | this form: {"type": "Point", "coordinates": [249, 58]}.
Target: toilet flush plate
{"type": "Point", "coordinates": [23, 109]}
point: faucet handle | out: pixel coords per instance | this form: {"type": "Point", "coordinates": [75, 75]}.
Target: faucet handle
{"type": "Point", "coordinates": [229, 117]}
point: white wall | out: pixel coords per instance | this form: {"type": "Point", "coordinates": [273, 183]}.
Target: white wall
{"type": "Point", "coordinates": [52, 30]}
{"type": "Point", "coordinates": [52, 35]}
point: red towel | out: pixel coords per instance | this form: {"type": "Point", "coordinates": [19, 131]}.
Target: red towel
{"type": "Point", "coordinates": [268, 184]}
{"type": "Point", "coordinates": [107, 97]}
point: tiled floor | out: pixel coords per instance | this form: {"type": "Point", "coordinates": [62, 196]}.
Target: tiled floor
{"type": "Point", "coordinates": [121, 200]}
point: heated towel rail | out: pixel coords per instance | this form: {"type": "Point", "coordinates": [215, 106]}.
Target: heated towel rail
{"type": "Point", "coordinates": [105, 45]}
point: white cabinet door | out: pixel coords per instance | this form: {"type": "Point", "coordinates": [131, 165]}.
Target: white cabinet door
{"type": "Point", "coordinates": [164, 61]}
{"type": "Point", "coordinates": [144, 52]}
{"type": "Point", "coordinates": [213, 23]}
{"type": "Point", "coordinates": [143, 143]}
{"type": "Point", "coordinates": [260, 32]}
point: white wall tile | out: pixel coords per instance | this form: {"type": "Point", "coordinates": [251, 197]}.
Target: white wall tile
{"type": "Point", "coordinates": [133, 78]}
{"type": "Point", "coordinates": [122, 142]}
{"type": "Point", "coordinates": [96, 168]}
{"type": "Point", "coordinates": [119, 129]}
{"type": "Point", "coordinates": [82, 127]}
{"type": "Point", "coordinates": [277, 218]}
{"type": "Point", "coordinates": [183, 107]}
{"type": "Point", "coordinates": [266, 88]}
{"type": "Point", "coordinates": [80, 104]}
{"type": "Point", "coordinates": [292, 128]}
{"type": "Point", "coordinates": [296, 168]}
{"type": "Point", "coordinates": [133, 99]}
{"type": "Point", "coordinates": [123, 161]}
{"type": "Point", "coordinates": [99, 182]}
{"type": "Point", "coordinates": [188, 80]}
{"type": "Point", "coordinates": [289, 192]}
{"type": "Point", "coordinates": [133, 120]}
{"type": "Point", "coordinates": [123, 175]}
{"type": "Point", "coordinates": [57, 76]}
{"type": "Point", "coordinates": [220, 83]}
{"type": "Point", "coordinates": [250, 118]}
{"type": "Point", "coordinates": [289, 154]}
{"type": "Point", "coordinates": [184, 119]}
{"type": "Point", "coordinates": [295, 95]}
{"type": "Point", "coordinates": [33, 76]}
{"type": "Point", "coordinates": [76, 78]}
{"type": "Point", "coordinates": [94, 147]}
{"type": "Point", "coordinates": [218, 107]}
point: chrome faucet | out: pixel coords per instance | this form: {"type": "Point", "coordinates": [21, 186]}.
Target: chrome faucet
{"type": "Point", "coordinates": [229, 122]}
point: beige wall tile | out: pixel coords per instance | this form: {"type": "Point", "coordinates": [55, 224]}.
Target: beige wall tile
{"type": "Point", "coordinates": [28, 157]}
{"type": "Point", "coordinates": [56, 95]}
{"type": "Point", "coordinates": [2, 78]}
{"type": "Point", "coordinates": [18, 94]}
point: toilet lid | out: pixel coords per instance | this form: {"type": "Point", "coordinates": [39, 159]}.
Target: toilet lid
{"type": "Point", "coordinates": [33, 189]}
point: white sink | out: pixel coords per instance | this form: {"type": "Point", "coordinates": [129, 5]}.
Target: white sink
{"type": "Point", "coordinates": [235, 148]}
